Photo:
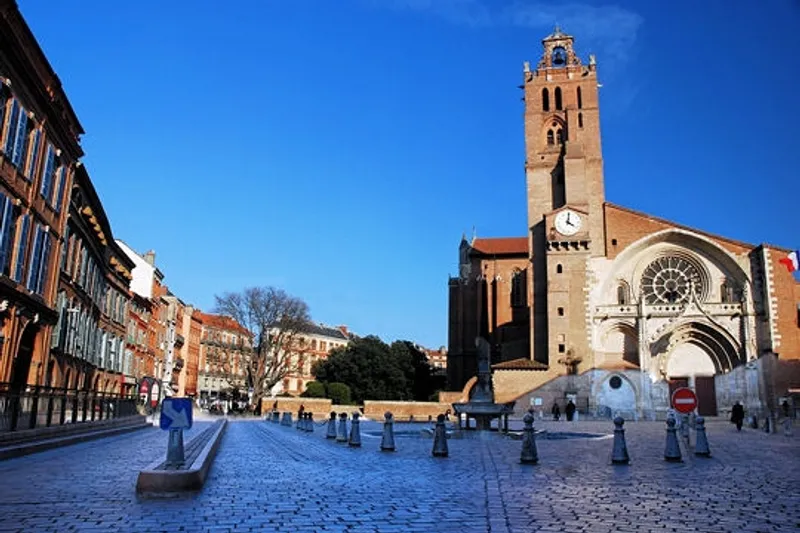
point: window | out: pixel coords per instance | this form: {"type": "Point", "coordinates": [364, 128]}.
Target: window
{"type": "Point", "coordinates": [560, 311]}
{"type": "Point", "coordinates": [558, 98]}
{"type": "Point", "coordinates": [7, 226]}
{"type": "Point", "coordinates": [613, 242]}
{"type": "Point", "coordinates": [623, 298]}
{"type": "Point", "coordinates": [550, 138]}
{"type": "Point", "coordinates": [560, 136]}
{"type": "Point", "coordinates": [59, 193]}
{"type": "Point", "coordinates": [561, 348]}
{"type": "Point", "coordinates": [559, 269]}
{"type": "Point", "coordinates": [48, 175]}
{"type": "Point", "coordinates": [580, 99]}
{"type": "Point", "coordinates": [22, 245]}
{"type": "Point", "coordinates": [518, 289]}
{"type": "Point", "coordinates": [37, 276]}
{"type": "Point", "coordinates": [615, 382]}
{"type": "Point", "coordinates": [580, 120]}
{"type": "Point", "coordinates": [545, 100]}
{"type": "Point", "coordinates": [33, 156]}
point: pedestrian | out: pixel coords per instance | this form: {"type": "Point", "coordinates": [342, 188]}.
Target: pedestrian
{"type": "Point", "coordinates": [301, 411]}
{"type": "Point", "coordinates": [785, 407]}
{"type": "Point", "coordinates": [737, 415]}
{"type": "Point", "coordinates": [556, 410]}
{"type": "Point", "coordinates": [570, 410]}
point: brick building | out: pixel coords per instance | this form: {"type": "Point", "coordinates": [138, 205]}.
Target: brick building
{"type": "Point", "coordinates": [39, 152]}
{"type": "Point", "coordinates": [314, 344]}
{"type": "Point", "coordinates": [224, 351]}
{"type": "Point", "coordinates": [608, 306]}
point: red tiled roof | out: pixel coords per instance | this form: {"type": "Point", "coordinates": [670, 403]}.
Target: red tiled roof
{"type": "Point", "coordinates": [522, 363]}
{"type": "Point", "coordinates": [501, 245]}
{"type": "Point", "coordinates": [222, 322]}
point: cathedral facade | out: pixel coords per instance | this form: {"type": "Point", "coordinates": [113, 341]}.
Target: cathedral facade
{"type": "Point", "coordinates": [610, 307]}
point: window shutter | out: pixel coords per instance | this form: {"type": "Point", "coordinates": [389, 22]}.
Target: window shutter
{"type": "Point", "coordinates": [47, 175]}
{"type": "Point", "coordinates": [19, 270]}
{"type": "Point", "coordinates": [62, 183]}
{"type": "Point", "coordinates": [6, 223]}
{"type": "Point", "coordinates": [30, 171]}
{"type": "Point", "coordinates": [19, 142]}
{"type": "Point", "coordinates": [11, 134]}
{"type": "Point", "coordinates": [41, 282]}
{"type": "Point", "coordinates": [33, 273]}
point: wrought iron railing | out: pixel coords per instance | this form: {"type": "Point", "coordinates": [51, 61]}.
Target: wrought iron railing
{"type": "Point", "coordinates": [38, 406]}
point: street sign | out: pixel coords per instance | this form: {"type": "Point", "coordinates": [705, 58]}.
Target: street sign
{"type": "Point", "coordinates": [176, 413]}
{"type": "Point", "coordinates": [684, 400]}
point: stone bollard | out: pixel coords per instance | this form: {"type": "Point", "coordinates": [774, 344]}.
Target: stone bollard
{"type": "Point", "coordinates": [672, 451]}
{"type": "Point", "coordinates": [387, 442]}
{"type": "Point", "coordinates": [331, 426]}
{"type": "Point", "coordinates": [276, 417]}
{"type": "Point", "coordinates": [355, 432]}
{"type": "Point", "coordinates": [341, 435]}
{"type": "Point", "coordinates": [619, 455]}
{"type": "Point", "coordinates": [287, 419]}
{"type": "Point", "coordinates": [787, 427]}
{"type": "Point", "coordinates": [310, 423]}
{"type": "Point", "coordinates": [529, 455]}
{"type": "Point", "coordinates": [440, 438]}
{"type": "Point", "coordinates": [700, 440]}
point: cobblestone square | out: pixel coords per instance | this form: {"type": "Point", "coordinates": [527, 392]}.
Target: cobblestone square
{"type": "Point", "coordinates": [268, 477]}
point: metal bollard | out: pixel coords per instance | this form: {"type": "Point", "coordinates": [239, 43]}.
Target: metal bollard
{"type": "Point", "coordinates": [287, 419]}
{"type": "Point", "coordinates": [672, 451]}
{"type": "Point", "coordinates": [529, 455]}
{"type": "Point", "coordinates": [331, 426]}
{"type": "Point", "coordinates": [341, 435]}
{"type": "Point", "coordinates": [619, 455]}
{"type": "Point", "coordinates": [276, 417]}
{"type": "Point", "coordinates": [787, 427]}
{"type": "Point", "coordinates": [310, 423]}
{"type": "Point", "coordinates": [387, 441]}
{"type": "Point", "coordinates": [440, 438]}
{"type": "Point", "coordinates": [700, 440]}
{"type": "Point", "coordinates": [355, 432]}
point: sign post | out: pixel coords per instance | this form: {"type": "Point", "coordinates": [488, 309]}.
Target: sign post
{"type": "Point", "coordinates": [176, 415]}
{"type": "Point", "coordinates": [684, 400]}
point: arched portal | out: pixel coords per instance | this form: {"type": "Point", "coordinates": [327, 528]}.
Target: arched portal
{"type": "Point", "coordinates": [22, 362]}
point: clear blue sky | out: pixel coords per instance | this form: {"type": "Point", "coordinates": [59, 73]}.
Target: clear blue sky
{"type": "Point", "coordinates": [338, 149]}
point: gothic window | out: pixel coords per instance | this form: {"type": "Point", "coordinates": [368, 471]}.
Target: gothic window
{"type": "Point", "coordinates": [559, 269]}
{"type": "Point", "coordinates": [580, 120]}
{"type": "Point", "coordinates": [558, 98]}
{"type": "Point", "coordinates": [545, 100]}
{"type": "Point", "coordinates": [551, 140]}
{"type": "Point", "coordinates": [623, 297]}
{"type": "Point", "coordinates": [727, 293]}
{"type": "Point", "coordinates": [560, 136]}
{"type": "Point", "coordinates": [668, 280]}
{"type": "Point", "coordinates": [518, 289]}
{"type": "Point", "coordinates": [580, 99]}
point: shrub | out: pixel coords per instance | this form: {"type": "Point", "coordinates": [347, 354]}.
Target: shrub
{"type": "Point", "coordinates": [314, 389]}
{"type": "Point", "coordinates": [339, 393]}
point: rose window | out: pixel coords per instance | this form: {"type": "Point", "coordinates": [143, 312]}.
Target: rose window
{"type": "Point", "coordinates": [668, 280]}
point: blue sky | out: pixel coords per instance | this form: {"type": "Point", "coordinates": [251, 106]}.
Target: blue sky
{"type": "Point", "coordinates": [339, 149]}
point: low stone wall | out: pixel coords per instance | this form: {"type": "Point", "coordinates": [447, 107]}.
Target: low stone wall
{"type": "Point", "coordinates": [451, 397]}
{"type": "Point", "coordinates": [403, 411]}
{"type": "Point", "coordinates": [321, 407]}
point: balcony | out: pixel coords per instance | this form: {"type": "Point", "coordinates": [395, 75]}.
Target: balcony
{"type": "Point", "coordinates": [179, 362]}
{"type": "Point", "coordinates": [179, 340]}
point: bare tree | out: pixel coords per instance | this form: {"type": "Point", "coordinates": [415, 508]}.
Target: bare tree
{"type": "Point", "coordinates": [277, 322]}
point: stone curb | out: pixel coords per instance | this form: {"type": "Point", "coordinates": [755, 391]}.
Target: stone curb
{"type": "Point", "coordinates": [153, 482]}
{"type": "Point", "coordinates": [18, 450]}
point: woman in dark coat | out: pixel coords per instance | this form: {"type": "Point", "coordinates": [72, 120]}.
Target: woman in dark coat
{"type": "Point", "coordinates": [737, 415]}
{"type": "Point", "coordinates": [556, 410]}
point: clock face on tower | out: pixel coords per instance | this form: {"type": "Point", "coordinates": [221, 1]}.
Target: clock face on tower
{"type": "Point", "coordinates": [568, 222]}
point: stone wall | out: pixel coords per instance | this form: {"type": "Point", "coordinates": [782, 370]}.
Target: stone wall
{"type": "Point", "coordinates": [321, 407]}
{"type": "Point", "coordinates": [403, 411]}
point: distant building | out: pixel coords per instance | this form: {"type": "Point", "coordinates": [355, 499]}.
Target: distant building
{"type": "Point", "coordinates": [225, 347]}
{"type": "Point", "coordinates": [436, 358]}
{"type": "Point", "coordinates": [313, 345]}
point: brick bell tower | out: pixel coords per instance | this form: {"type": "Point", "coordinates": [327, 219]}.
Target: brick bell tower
{"type": "Point", "coordinates": [564, 172]}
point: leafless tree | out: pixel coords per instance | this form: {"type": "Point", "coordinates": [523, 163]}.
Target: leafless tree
{"type": "Point", "coordinates": [277, 322]}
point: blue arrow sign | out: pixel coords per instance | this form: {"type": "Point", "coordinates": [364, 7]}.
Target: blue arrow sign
{"type": "Point", "coordinates": [176, 413]}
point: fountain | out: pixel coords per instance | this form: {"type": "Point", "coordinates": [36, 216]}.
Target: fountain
{"type": "Point", "coordinates": [481, 404]}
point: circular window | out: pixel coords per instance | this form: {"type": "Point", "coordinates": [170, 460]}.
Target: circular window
{"type": "Point", "coordinates": [615, 382]}
{"type": "Point", "coordinates": [667, 280]}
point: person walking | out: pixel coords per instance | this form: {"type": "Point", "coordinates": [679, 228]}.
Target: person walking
{"type": "Point", "coordinates": [737, 415]}
{"type": "Point", "coordinates": [556, 411]}
{"type": "Point", "coordinates": [570, 410]}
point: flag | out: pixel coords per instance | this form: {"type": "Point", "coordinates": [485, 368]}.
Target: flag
{"type": "Point", "coordinates": [792, 261]}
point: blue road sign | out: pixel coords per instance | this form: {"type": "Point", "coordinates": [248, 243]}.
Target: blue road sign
{"type": "Point", "coordinates": [176, 413]}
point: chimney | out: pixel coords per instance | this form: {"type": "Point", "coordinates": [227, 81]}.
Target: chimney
{"type": "Point", "coordinates": [150, 257]}
{"type": "Point", "coordinates": [343, 329]}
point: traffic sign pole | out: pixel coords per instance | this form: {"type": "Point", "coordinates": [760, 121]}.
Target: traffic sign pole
{"type": "Point", "coordinates": [175, 454]}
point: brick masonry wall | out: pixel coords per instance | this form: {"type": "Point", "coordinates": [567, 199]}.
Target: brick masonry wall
{"type": "Point", "coordinates": [404, 410]}
{"type": "Point", "coordinates": [321, 407]}
{"type": "Point", "coordinates": [787, 296]}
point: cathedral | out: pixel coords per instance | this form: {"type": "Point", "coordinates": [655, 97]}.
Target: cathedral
{"type": "Point", "coordinates": [606, 306]}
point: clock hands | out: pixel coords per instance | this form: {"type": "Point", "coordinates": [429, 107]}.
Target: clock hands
{"type": "Point", "coordinates": [568, 219]}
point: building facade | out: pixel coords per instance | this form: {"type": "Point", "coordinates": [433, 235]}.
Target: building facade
{"type": "Point", "coordinates": [607, 306]}
{"type": "Point", "coordinates": [313, 344]}
{"type": "Point", "coordinates": [88, 341]}
{"type": "Point", "coordinates": [39, 152]}
{"type": "Point", "coordinates": [225, 348]}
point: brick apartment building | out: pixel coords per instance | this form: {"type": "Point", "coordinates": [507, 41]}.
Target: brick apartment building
{"type": "Point", "coordinates": [314, 344]}
{"type": "Point", "coordinates": [606, 305]}
{"type": "Point", "coordinates": [224, 351]}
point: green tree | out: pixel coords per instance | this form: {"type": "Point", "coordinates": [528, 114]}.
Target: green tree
{"type": "Point", "coordinates": [314, 389]}
{"type": "Point", "coordinates": [339, 393]}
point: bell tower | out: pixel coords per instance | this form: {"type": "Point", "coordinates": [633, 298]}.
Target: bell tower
{"type": "Point", "coordinates": [564, 174]}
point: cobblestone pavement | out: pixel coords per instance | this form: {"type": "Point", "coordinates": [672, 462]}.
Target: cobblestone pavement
{"type": "Point", "coordinates": [269, 477]}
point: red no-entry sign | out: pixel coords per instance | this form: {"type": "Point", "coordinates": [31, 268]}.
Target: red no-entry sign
{"type": "Point", "coordinates": [684, 400]}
